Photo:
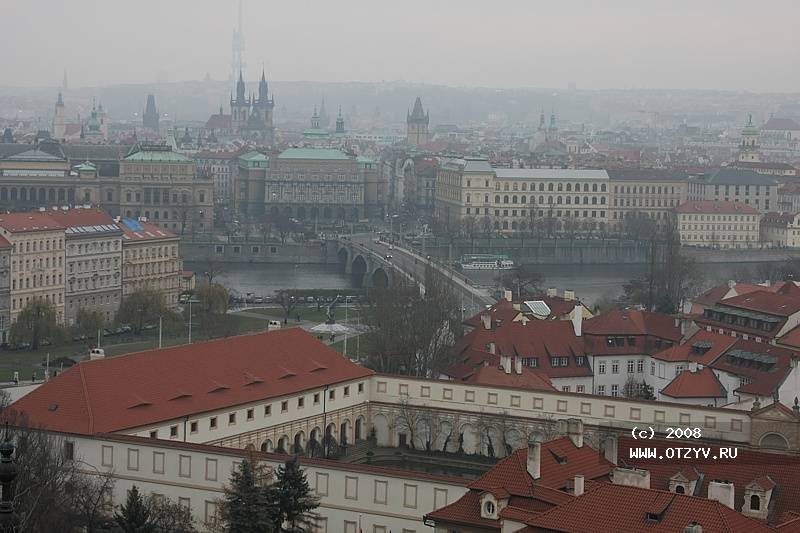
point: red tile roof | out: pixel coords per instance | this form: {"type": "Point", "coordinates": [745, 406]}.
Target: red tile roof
{"type": "Point", "coordinates": [149, 232]}
{"type": "Point", "coordinates": [716, 294]}
{"type": "Point", "coordinates": [621, 322]}
{"type": "Point", "coordinates": [694, 349]}
{"type": "Point", "coordinates": [24, 222]}
{"type": "Point", "coordinates": [80, 216]}
{"type": "Point", "coordinates": [542, 339]}
{"type": "Point", "coordinates": [700, 384]}
{"type": "Point", "coordinates": [4, 243]}
{"type": "Point", "coordinates": [765, 301]}
{"type": "Point", "coordinates": [561, 461]}
{"type": "Point", "coordinates": [144, 388]}
{"type": "Point", "coordinates": [766, 379]}
{"type": "Point", "coordinates": [620, 508]}
{"type": "Point", "coordinates": [490, 373]}
{"type": "Point", "coordinates": [715, 208]}
{"type": "Point", "coordinates": [748, 467]}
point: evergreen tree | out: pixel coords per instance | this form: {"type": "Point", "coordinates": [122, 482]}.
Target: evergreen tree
{"type": "Point", "coordinates": [250, 503]}
{"type": "Point", "coordinates": [295, 500]}
{"type": "Point", "coordinates": [134, 514]}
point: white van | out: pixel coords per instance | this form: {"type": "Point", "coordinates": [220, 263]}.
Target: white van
{"type": "Point", "coordinates": [273, 325]}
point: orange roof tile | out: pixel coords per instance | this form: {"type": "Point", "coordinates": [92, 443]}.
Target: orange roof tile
{"type": "Point", "coordinates": [144, 388]}
{"type": "Point", "coordinates": [25, 222]}
{"type": "Point", "coordinates": [700, 384]}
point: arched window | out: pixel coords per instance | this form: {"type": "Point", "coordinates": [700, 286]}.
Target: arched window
{"type": "Point", "coordinates": [468, 199]}
{"type": "Point", "coordinates": [585, 200]}
{"type": "Point", "coordinates": [569, 200]}
{"type": "Point", "coordinates": [594, 187]}
{"type": "Point", "coordinates": [514, 199]}
{"type": "Point", "coordinates": [560, 187]}
{"type": "Point", "coordinates": [679, 489]}
{"type": "Point", "coordinates": [505, 186]}
{"type": "Point", "coordinates": [603, 187]}
{"type": "Point", "coordinates": [541, 200]}
{"type": "Point", "coordinates": [603, 200]}
{"type": "Point", "coordinates": [505, 199]}
{"type": "Point", "coordinates": [514, 225]}
{"type": "Point", "coordinates": [559, 200]}
{"type": "Point", "coordinates": [524, 186]}
{"type": "Point", "coordinates": [550, 187]}
{"type": "Point", "coordinates": [523, 199]}
{"type": "Point", "coordinates": [594, 200]}
{"type": "Point", "coordinates": [549, 199]}
{"type": "Point", "coordinates": [497, 199]}
{"type": "Point", "coordinates": [569, 187]}
{"type": "Point", "coordinates": [755, 503]}
{"type": "Point", "coordinates": [577, 200]}
{"type": "Point", "coordinates": [505, 224]}
{"type": "Point", "coordinates": [585, 187]}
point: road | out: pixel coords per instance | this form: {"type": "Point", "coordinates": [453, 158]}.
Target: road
{"type": "Point", "coordinates": [473, 299]}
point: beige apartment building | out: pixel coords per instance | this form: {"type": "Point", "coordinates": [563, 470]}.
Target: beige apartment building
{"type": "Point", "coordinates": [37, 260]}
{"type": "Point", "coordinates": [651, 193]}
{"type": "Point", "coordinates": [520, 199]}
{"type": "Point", "coordinates": [718, 224]}
{"type": "Point", "coordinates": [737, 185]}
{"type": "Point", "coordinates": [5, 286]}
{"type": "Point", "coordinates": [150, 260]}
{"type": "Point", "coordinates": [93, 262]}
{"type": "Point", "coordinates": [781, 230]}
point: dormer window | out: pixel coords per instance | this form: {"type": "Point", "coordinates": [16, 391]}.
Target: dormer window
{"type": "Point", "coordinates": [488, 508]}
{"type": "Point", "coordinates": [680, 489]}
{"type": "Point", "coordinates": [755, 503]}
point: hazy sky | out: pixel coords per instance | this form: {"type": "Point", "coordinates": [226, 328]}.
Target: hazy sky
{"type": "Point", "coordinates": [725, 44]}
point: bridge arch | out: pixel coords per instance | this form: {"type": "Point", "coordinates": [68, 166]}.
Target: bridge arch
{"type": "Point", "coordinates": [343, 255]}
{"type": "Point", "coordinates": [380, 278]}
{"type": "Point", "coordinates": [359, 269]}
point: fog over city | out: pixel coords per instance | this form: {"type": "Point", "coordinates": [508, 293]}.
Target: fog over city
{"type": "Point", "coordinates": [717, 44]}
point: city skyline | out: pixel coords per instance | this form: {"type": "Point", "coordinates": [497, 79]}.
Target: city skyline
{"type": "Point", "coordinates": [513, 45]}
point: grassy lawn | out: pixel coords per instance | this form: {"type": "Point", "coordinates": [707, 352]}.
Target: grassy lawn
{"type": "Point", "coordinates": [26, 362]}
{"type": "Point", "coordinates": [309, 313]}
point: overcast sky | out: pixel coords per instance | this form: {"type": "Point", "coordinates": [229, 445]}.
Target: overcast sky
{"type": "Point", "coordinates": [724, 44]}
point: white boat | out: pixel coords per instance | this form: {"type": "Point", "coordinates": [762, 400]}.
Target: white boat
{"type": "Point", "coordinates": [486, 262]}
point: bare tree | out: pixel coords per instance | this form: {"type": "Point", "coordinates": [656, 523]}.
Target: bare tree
{"type": "Point", "coordinates": [409, 331]}
{"type": "Point", "coordinates": [212, 267]}
{"type": "Point", "coordinates": [287, 300]}
{"type": "Point", "coordinates": [408, 421]}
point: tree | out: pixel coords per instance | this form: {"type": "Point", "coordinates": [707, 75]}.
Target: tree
{"type": "Point", "coordinates": [523, 280]}
{"type": "Point", "coordinates": [411, 331]}
{"type": "Point", "coordinates": [134, 516]}
{"type": "Point", "coordinates": [285, 226]}
{"type": "Point", "coordinates": [211, 309]}
{"type": "Point", "coordinates": [295, 500]}
{"type": "Point", "coordinates": [250, 504]}
{"type": "Point", "coordinates": [287, 300]}
{"type": "Point", "coordinates": [167, 515]}
{"type": "Point", "coordinates": [88, 323]}
{"type": "Point", "coordinates": [408, 421]}
{"type": "Point", "coordinates": [36, 323]}
{"type": "Point", "coordinates": [212, 267]}
{"type": "Point", "coordinates": [638, 389]}
{"type": "Point", "coordinates": [51, 493]}
{"type": "Point", "coordinates": [670, 275]}
{"type": "Point", "coordinates": [142, 308]}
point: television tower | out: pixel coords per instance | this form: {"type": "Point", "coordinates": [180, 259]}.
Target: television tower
{"type": "Point", "coordinates": [237, 59]}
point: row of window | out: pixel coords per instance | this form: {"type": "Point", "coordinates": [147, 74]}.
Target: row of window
{"type": "Point", "coordinates": [646, 189]}
{"type": "Point", "coordinates": [19, 303]}
{"type": "Point", "coordinates": [37, 263]}
{"type": "Point", "coordinates": [40, 245]}
{"type": "Point", "coordinates": [250, 414]}
{"type": "Point", "coordinates": [594, 187]}
{"type": "Point", "coordinates": [31, 282]}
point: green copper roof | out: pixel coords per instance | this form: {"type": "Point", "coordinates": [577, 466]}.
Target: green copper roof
{"type": "Point", "coordinates": [313, 153]}
{"type": "Point", "coordinates": [253, 156]}
{"type": "Point", "coordinates": [160, 156]}
{"type": "Point", "coordinates": [86, 167]}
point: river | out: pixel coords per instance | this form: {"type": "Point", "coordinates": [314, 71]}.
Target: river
{"type": "Point", "coordinates": [590, 282]}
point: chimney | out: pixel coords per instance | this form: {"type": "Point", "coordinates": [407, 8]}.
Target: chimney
{"type": "Point", "coordinates": [694, 527]}
{"type": "Point", "coordinates": [486, 320]}
{"type": "Point", "coordinates": [551, 292]}
{"type": "Point", "coordinates": [578, 486]}
{"type": "Point", "coordinates": [610, 449]}
{"type": "Point", "coordinates": [577, 320]}
{"type": "Point", "coordinates": [575, 431]}
{"type": "Point", "coordinates": [535, 459]}
{"type": "Point", "coordinates": [722, 491]}
{"type": "Point", "coordinates": [505, 362]}
{"type": "Point", "coordinates": [731, 283]}
{"type": "Point", "coordinates": [569, 295]}
{"type": "Point", "coordinates": [518, 365]}
{"type": "Point", "coordinates": [508, 295]}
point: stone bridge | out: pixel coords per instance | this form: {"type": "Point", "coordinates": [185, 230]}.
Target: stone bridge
{"type": "Point", "coordinates": [368, 268]}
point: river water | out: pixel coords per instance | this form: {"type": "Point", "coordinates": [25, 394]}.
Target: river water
{"type": "Point", "coordinates": [590, 282]}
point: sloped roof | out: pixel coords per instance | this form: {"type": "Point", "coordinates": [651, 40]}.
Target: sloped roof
{"type": "Point", "coordinates": [625, 322]}
{"type": "Point", "coordinates": [33, 221]}
{"type": "Point", "coordinates": [739, 176]}
{"type": "Point", "coordinates": [700, 384]}
{"type": "Point", "coordinates": [715, 208]}
{"type": "Point", "coordinates": [139, 389]}
{"type": "Point", "coordinates": [136, 230]}
{"type": "Point", "coordinates": [749, 466]}
{"type": "Point", "coordinates": [621, 508]}
{"type": "Point", "coordinates": [313, 153]}
{"type": "Point", "coordinates": [781, 124]}
{"type": "Point", "coordinates": [712, 345]}
{"type": "Point", "coordinates": [765, 301]}
{"type": "Point", "coordinates": [764, 381]}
